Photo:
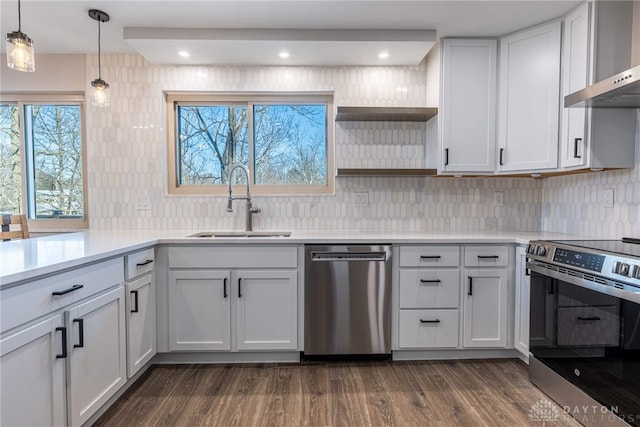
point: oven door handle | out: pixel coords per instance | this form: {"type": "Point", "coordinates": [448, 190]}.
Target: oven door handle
{"type": "Point", "coordinates": [588, 318]}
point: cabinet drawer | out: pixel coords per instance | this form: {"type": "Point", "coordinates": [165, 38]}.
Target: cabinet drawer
{"type": "Point", "coordinates": [23, 303]}
{"type": "Point", "coordinates": [428, 328]}
{"type": "Point", "coordinates": [429, 256]}
{"type": "Point", "coordinates": [138, 263]}
{"type": "Point", "coordinates": [486, 256]}
{"type": "Point", "coordinates": [234, 257]}
{"type": "Point", "coordinates": [427, 288]}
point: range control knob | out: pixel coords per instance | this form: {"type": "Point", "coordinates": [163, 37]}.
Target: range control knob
{"type": "Point", "coordinates": [621, 268]}
{"type": "Point", "coordinates": [541, 250]}
{"type": "Point", "coordinates": [636, 272]}
{"type": "Point", "coordinates": [531, 249]}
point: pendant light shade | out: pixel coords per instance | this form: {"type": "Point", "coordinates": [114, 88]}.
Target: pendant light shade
{"type": "Point", "coordinates": [20, 54]}
{"type": "Point", "coordinates": [100, 95]}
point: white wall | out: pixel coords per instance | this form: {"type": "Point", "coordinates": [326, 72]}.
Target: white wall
{"type": "Point", "coordinates": [126, 157]}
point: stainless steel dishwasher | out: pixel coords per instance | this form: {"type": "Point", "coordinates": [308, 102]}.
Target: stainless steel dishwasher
{"type": "Point", "coordinates": [347, 300]}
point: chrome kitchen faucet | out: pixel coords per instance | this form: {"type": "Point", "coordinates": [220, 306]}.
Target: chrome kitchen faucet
{"type": "Point", "coordinates": [250, 210]}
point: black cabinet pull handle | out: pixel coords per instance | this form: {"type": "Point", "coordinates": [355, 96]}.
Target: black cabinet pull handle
{"type": "Point", "coordinates": [63, 355]}
{"type": "Point", "coordinates": [140, 264]}
{"type": "Point", "coordinates": [589, 318]}
{"type": "Point", "coordinates": [501, 154]}
{"type": "Point", "coordinates": [239, 287]}
{"type": "Point", "coordinates": [488, 256]}
{"type": "Point", "coordinates": [576, 141]}
{"type": "Point", "coordinates": [446, 156]}
{"type": "Point", "coordinates": [80, 323]}
{"type": "Point", "coordinates": [135, 301]}
{"type": "Point", "coordinates": [430, 321]}
{"type": "Point", "coordinates": [224, 288]}
{"type": "Point", "coordinates": [430, 281]}
{"type": "Point", "coordinates": [430, 257]}
{"type": "Point", "coordinates": [470, 292]}
{"type": "Point", "coordinates": [66, 291]}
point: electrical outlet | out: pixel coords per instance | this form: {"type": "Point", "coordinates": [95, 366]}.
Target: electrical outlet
{"type": "Point", "coordinates": [360, 199]}
{"type": "Point", "coordinates": [498, 198]}
{"type": "Point", "coordinates": [607, 198]}
{"type": "Point", "coordinates": [143, 203]}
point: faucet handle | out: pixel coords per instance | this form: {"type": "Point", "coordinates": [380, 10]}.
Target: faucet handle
{"type": "Point", "coordinates": [255, 210]}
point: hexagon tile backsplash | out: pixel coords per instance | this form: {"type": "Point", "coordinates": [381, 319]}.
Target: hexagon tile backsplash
{"type": "Point", "coordinates": [126, 146]}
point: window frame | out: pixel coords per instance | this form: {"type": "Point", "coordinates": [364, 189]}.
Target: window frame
{"type": "Point", "coordinates": [175, 99]}
{"type": "Point", "coordinates": [20, 100]}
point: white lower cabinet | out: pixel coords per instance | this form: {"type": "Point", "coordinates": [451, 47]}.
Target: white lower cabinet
{"type": "Point", "coordinates": [521, 336]}
{"type": "Point", "coordinates": [267, 310]}
{"type": "Point", "coordinates": [263, 304]}
{"type": "Point", "coordinates": [96, 366]}
{"type": "Point", "coordinates": [141, 322]}
{"type": "Point", "coordinates": [32, 375]}
{"type": "Point", "coordinates": [199, 310]}
{"type": "Point", "coordinates": [428, 328]}
{"type": "Point", "coordinates": [485, 308]}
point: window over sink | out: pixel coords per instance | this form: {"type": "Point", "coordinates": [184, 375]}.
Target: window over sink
{"type": "Point", "coordinates": [284, 140]}
{"type": "Point", "coordinates": [42, 161]}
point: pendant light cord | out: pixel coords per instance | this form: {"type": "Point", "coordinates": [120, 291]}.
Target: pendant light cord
{"type": "Point", "coordinates": [19, 18]}
{"type": "Point", "coordinates": [99, 54]}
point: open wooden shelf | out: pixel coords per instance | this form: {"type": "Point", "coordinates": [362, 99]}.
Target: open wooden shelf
{"type": "Point", "coordinates": [382, 114]}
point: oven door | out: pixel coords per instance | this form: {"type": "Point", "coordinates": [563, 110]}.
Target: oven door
{"type": "Point", "coordinates": [589, 338]}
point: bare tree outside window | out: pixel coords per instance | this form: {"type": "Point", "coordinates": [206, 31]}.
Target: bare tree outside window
{"type": "Point", "coordinates": [10, 164]}
{"type": "Point", "coordinates": [289, 144]}
{"type": "Point", "coordinates": [55, 140]}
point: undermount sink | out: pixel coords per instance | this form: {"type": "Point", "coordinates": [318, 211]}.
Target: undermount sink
{"type": "Point", "coordinates": [220, 234]}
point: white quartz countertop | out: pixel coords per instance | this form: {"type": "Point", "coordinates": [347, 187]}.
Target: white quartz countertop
{"type": "Point", "coordinates": [25, 259]}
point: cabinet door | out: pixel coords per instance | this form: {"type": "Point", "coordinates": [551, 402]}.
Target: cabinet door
{"type": "Point", "coordinates": [575, 75]}
{"type": "Point", "coordinates": [529, 99]}
{"type": "Point", "coordinates": [141, 323]}
{"type": "Point", "coordinates": [97, 365]}
{"type": "Point", "coordinates": [521, 338]}
{"type": "Point", "coordinates": [485, 308]}
{"type": "Point", "coordinates": [32, 376]}
{"type": "Point", "coordinates": [267, 314]}
{"type": "Point", "coordinates": [199, 310]}
{"type": "Point", "coordinates": [468, 105]}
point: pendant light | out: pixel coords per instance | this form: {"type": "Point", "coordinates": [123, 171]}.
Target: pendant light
{"type": "Point", "coordinates": [20, 55]}
{"type": "Point", "coordinates": [100, 96]}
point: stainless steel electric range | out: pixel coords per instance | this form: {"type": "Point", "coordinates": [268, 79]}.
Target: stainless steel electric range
{"type": "Point", "coordinates": [584, 331]}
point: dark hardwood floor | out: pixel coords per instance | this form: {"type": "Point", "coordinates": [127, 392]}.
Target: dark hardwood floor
{"type": "Point", "coordinates": [431, 393]}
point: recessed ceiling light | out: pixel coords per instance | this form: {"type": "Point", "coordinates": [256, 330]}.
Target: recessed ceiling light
{"type": "Point", "coordinates": [383, 55]}
{"type": "Point", "coordinates": [284, 55]}
{"type": "Point", "coordinates": [183, 53]}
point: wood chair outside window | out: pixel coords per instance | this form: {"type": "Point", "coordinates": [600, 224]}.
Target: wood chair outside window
{"type": "Point", "coordinates": [14, 227]}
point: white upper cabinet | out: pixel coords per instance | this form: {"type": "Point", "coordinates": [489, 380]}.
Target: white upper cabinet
{"type": "Point", "coordinates": [468, 105]}
{"type": "Point", "coordinates": [575, 76]}
{"type": "Point", "coordinates": [601, 137]}
{"type": "Point", "coordinates": [529, 99]}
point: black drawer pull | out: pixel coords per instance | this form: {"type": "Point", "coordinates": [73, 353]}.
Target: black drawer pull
{"type": "Point", "coordinates": [576, 142]}
{"type": "Point", "coordinates": [66, 291]}
{"type": "Point", "coordinates": [135, 301]}
{"type": "Point", "coordinates": [430, 257]}
{"type": "Point", "coordinates": [470, 293]}
{"type": "Point", "coordinates": [63, 355]}
{"type": "Point", "coordinates": [488, 256]}
{"type": "Point", "coordinates": [430, 321]}
{"type": "Point", "coordinates": [589, 318]}
{"type": "Point", "coordinates": [140, 264]}
{"type": "Point", "coordinates": [224, 288]}
{"type": "Point", "coordinates": [239, 287]}
{"type": "Point", "coordinates": [430, 281]}
{"type": "Point", "coordinates": [80, 323]}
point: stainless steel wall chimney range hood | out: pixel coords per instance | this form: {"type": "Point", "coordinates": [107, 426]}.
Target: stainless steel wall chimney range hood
{"type": "Point", "coordinates": [619, 91]}
{"type": "Point", "coordinates": [615, 58]}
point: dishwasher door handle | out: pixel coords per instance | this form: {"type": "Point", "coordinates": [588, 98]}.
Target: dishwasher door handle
{"type": "Point", "coordinates": [348, 256]}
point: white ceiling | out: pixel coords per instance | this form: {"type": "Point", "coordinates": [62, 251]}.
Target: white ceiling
{"type": "Point", "coordinates": [158, 29]}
